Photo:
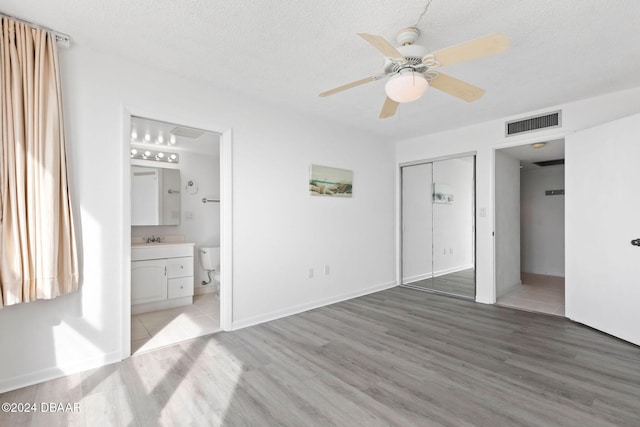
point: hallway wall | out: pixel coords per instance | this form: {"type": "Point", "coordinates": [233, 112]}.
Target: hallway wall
{"type": "Point", "coordinates": [542, 221]}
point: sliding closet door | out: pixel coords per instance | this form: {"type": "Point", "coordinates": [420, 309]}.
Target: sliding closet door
{"type": "Point", "coordinates": [453, 226]}
{"type": "Point", "coordinates": [416, 225]}
{"type": "Point", "coordinates": [438, 226]}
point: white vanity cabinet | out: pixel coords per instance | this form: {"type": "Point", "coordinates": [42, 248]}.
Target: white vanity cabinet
{"type": "Point", "coordinates": [148, 281]}
{"type": "Point", "coordinates": [161, 276]}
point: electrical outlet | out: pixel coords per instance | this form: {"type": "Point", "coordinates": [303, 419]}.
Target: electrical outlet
{"type": "Point", "coordinates": [326, 269]}
{"type": "Point", "coordinates": [311, 273]}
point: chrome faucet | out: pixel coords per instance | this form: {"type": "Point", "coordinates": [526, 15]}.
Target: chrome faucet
{"type": "Point", "coordinates": [153, 239]}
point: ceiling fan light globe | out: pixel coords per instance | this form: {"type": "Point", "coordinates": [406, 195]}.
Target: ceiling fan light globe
{"type": "Point", "coordinates": [406, 87]}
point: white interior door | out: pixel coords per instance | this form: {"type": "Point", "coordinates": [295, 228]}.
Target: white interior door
{"type": "Point", "coordinates": [602, 218]}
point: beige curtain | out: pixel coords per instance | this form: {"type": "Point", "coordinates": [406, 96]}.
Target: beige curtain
{"type": "Point", "coordinates": [38, 257]}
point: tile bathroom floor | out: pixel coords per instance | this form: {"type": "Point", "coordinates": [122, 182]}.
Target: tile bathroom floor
{"type": "Point", "coordinates": [539, 293]}
{"type": "Point", "coordinates": [165, 327]}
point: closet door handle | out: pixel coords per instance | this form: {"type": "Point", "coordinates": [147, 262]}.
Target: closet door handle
{"type": "Point", "coordinates": [165, 270]}
{"type": "Point", "coordinates": [635, 242]}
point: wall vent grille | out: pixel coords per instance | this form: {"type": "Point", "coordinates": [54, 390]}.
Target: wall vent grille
{"type": "Point", "coordinates": [530, 124]}
{"type": "Point", "coordinates": [550, 162]}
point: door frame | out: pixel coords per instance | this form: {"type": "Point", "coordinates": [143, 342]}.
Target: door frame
{"type": "Point", "coordinates": [529, 139]}
{"type": "Point", "coordinates": [226, 214]}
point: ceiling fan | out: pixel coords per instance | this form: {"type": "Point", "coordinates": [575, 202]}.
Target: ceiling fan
{"type": "Point", "coordinates": [412, 69]}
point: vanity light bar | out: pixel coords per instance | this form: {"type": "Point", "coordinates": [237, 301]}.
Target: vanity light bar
{"type": "Point", "coordinates": [157, 156]}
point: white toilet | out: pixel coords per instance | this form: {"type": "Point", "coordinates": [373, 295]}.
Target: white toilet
{"type": "Point", "coordinates": [210, 261]}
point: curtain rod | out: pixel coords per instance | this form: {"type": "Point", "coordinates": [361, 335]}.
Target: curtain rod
{"type": "Point", "coordinates": [62, 39]}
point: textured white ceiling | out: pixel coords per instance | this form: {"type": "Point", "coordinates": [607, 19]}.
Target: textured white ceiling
{"type": "Point", "coordinates": [289, 51]}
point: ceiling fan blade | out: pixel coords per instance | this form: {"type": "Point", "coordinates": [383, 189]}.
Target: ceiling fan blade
{"type": "Point", "coordinates": [389, 108]}
{"type": "Point", "coordinates": [383, 46]}
{"type": "Point", "coordinates": [352, 84]}
{"type": "Point", "coordinates": [471, 49]}
{"type": "Point", "coordinates": [458, 88]}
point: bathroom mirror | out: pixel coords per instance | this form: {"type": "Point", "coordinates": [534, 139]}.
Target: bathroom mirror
{"type": "Point", "coordinates": [155, 196]}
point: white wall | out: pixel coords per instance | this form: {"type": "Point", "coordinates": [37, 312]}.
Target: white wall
{"type": "Point", "coordinates": [542, 221]}
{"type": "Point", "coordinates": [279, 232]}
{"type": "Point", "coordinates": [484, 138]}
{"type": "Point", "coordinates": [199, 222]}
{"type": "Point", "coordinates": [507, 217]}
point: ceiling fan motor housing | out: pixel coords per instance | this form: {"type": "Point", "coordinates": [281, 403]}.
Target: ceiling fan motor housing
{"type": "Point", "coordinates": [413, 53]}
{"type": "Point", "coordinates": [408, 36]}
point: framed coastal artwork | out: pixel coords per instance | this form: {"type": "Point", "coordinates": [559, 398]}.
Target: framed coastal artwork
{"type": "Point", "coordinates": [330, 182]}
{"type": "Point", "coordinates": [442, 193]}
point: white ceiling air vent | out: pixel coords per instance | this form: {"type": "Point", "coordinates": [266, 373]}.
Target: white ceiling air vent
{"type": "Point", "coordinates": [187, 132]}
{"type": "Point", "coordinates": [530, 124]}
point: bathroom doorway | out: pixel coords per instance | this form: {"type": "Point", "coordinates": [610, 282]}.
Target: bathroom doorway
{"type": "Point", "coordinates": [529, 227]}
{"type": "Point", "coordinates": [175, 189]}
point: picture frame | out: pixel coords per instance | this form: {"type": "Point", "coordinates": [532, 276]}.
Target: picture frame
{"type": "Point", "coordinates": [326, 181]}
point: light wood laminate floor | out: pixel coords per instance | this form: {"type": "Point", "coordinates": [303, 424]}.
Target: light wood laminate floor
{"type": "Point", "coordinates": [400, 357]}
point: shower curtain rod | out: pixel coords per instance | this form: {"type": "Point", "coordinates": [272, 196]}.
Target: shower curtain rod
{"type": "Point", "coordinates": [62, 39]}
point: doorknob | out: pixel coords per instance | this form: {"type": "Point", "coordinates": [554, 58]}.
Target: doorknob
{"type": "Point", "coordinates": [635, 242]}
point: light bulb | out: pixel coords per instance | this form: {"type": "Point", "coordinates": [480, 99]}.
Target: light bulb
{"type": "Point", "coordinates": [406, 86]}
{"type": "Point", "coordinates": [147, 137]}
{"type": "Point", "coordinates": [161, 155]}
{"type": "Point", "coordinates": [173, 157]}
{"type": "Point", "coordinates": [134, 134]}
{"type": "Point", "coordinates": [147, 153]}
{"type": "Point", "coordinates": [160, 139]}
{"type": "Point", "coordinates": [134, 151]}
{"type": "Point", "coordinates": [173, 139]}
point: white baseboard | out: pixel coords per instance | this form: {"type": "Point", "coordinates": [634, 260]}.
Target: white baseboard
{"type": "Point", "coordinates": [416, 278]}
{"type": "Point", "coordinates": [451, 270]}
{"type": "Point", "coordinates": [546, 273]}
{"type": "Point", "coordinates": [201, 290]}
{"type": "Point", "coordinates": [58, 371]}
{"type": "Point", "coordinates": [429, 275]}
{"type": "Point", "coordinates": [277, 314]}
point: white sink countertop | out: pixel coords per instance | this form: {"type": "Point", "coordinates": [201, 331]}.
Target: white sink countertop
{"type": "Point", "coordinates": [156, 244]}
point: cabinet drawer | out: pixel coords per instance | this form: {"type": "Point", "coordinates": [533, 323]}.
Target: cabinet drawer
{"type": "Point", "coordinates": [179, 267]}
{"type": "Point", "coordinates": [182, 287]}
